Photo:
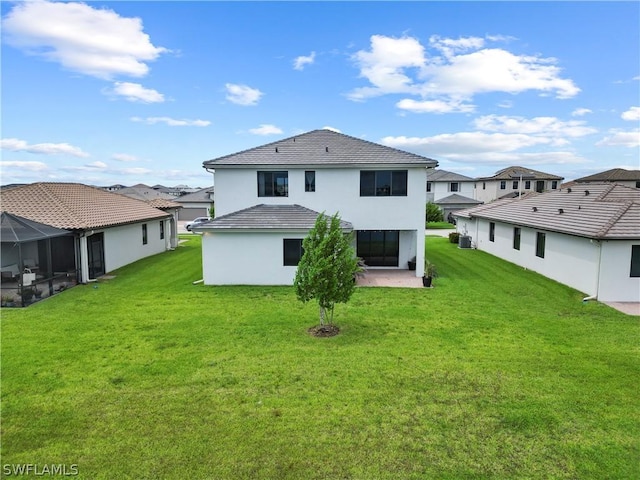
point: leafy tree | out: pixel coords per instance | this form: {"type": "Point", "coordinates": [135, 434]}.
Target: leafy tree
{"type": "Point", "coordinates": [433, 214]}
{"type": "Point", "coordinates": [327, 267]}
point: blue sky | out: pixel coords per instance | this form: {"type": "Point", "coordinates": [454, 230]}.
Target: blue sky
{"type": "Point", "coordinates": [144, 92]}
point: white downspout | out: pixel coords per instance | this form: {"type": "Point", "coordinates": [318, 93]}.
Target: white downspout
{"type": "Point", "coordinates": [84, 259]}
{"type": "Point", "coordinates": [595, 296]}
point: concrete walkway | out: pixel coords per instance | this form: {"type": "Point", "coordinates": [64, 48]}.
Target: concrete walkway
{"type": "Point", "coordinates": [630, 308]}
{"type": "Point", "coordinates": [390, 278]}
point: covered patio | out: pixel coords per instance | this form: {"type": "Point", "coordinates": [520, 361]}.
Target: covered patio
{"type": "Point", "coordinates": [389, 278]}
{"type": "Point", "coordinates": [38, 260]}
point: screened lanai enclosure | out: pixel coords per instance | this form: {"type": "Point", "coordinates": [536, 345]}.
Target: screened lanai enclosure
{"type": "Point", "coordinates": [37, 260]}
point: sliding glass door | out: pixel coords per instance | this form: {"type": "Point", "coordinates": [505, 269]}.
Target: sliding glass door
{"type": "Point", "coordinates": [379, 248]}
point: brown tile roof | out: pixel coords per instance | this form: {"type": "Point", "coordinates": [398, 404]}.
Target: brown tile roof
{"type": "Point", "coordinates": [321, 148]}
{"type": "Point", "coordinates": [74, 206]}
{"type": "Point", "coordinates": [598, 210]}
{"type": "Point", "coordinates": [163, 203]}
{"type": "Point", "coordinates": [513, 173]}
{"type": "Point", "coordinates": [613, 175]}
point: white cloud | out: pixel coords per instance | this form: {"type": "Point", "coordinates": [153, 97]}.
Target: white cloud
{"type": "Point", "coordinates": [265, 130]}
{"type": "Point", "coordinates": [458, 70]}
{"type": "Point", "coordinates": [300, 62]}
{"type": "Point", "coordinates": [633, 114]}
{"type": "Point", "coordinates": [619, 138]}
{"type": "Point", "coordinates": [327, 127]}
{"type": "Point", "coordinates": [242, 94]}
{"type": "Point", "coordinates": [29, 166]}
{"type": "Point", "coordinates": [134, 92]}
{"type": "Point", "coordinates": [172, 122]}
{"type": "Point", "coordinates": [124, 157]}
{"type": "Point", "coordinates": [579, 112]}
{"type": "Point", "coordinates": [16, 145]}
{"type": "Point", "coordinates": [434, 106]}
{"type": "Point", "coordinates": [547, 126]}
{"type": "Point", "coordinates": [92, 41]}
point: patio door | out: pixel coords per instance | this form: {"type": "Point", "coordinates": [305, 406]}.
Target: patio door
{"type": "Point", "coordinates": [379, 248]}
{"type": "Point", "coordinates": [95, 247]}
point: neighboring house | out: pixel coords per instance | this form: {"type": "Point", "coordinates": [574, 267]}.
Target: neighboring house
{"type": "Point", "coordinates": [512, 182]}
{"type": "Point", "coordinates": [453, 203]}
{"type": "Point", "coordinates": [628, 178]}
{"type": "Point", "coordinates": [110, 230]}
{"type": "Point", "coordinates": [267, 198]}
{"type": "Point", "coordinates": [442, 184]}
{"type": "Point", "coordinates": [176, 191]}
{"type": "Point", "coordinates": [586, 237]}
{"type": "Point", "coordinates": [161, 201]}
{"type": "Point", "coordinates": [197, 204]}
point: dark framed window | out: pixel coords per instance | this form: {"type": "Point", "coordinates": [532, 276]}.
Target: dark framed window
{"type": "Point", "coordinates": [383, 183]}
{"type": "Point", "coordinates": [638, 184]}
{"type": "Point", "coordinates": [635, 261]}
{"type": "Point", "coordinates": [144, 233]}
{"type": "Point", "coordinates": [515, 184]}
{"type": "Point", "coordinates": [379, 248]}
{"type": "Point", "coordinates": [310, 181]}
{"type": "Point", "coordinates": [492, 231]}
{"type": "Point", "coordinates": [273, 184]}
{"type": "Point", "coordinates": [161, 229]}
{"type": "Point", "coordinates": [527, 185]}
{"type": "Point", "coordinates": [503, 184]}
{"type": "Point", "coordinates": [540, 244]}
{"type": "Point", "coordinates": [516, 238]}
{"type": "Point", "coordinates": [428, 186]}
{"type": "Point", "coordinates": [484, 185]}
{"type": "Point", "coordinates": [454, 187]}
{"type": "Point", "coordinates": [292, 251]}
{"type": "Point", "coordinates": [554, 184]}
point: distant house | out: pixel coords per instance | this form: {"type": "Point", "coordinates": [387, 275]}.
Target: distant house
{"type": "Point", "coordinates": [267, 199]}
{"type": "Point", "coordinates": [441, 184]}
{"type": "Point", "coordinates": [586, 237]}
{"type": "Point", "coordinates": [454, 203]}
{"type": "Point", "coordinates": [196, 204]}
{"type": "Point", "coordinates": [513, 182]}
{"type": "Point", "coordinates": [628, 178]}
{"type": "Point", "coordinates": [109, 230]}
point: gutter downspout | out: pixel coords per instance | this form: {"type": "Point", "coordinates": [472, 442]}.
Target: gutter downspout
{"type": "Point", "coordinates": [595, 296]}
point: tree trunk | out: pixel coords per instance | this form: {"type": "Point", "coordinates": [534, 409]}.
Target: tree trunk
{"type": "Point", "coordinates": [322, 316]}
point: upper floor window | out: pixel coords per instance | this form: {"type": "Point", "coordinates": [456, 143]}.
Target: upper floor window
{"type": "Point", "coordinates": [161, 229]}
{"type": "Point", "coordinates": [540, 241]}
{"type": "Point", "coordinates": [503, 184]}
{"type": "Point", "coordinates": [383, 183]}
{"type": "Point", "coordinates": [454, 187]}
{"type": "Point", "coordinates": [273, 184]}
{"type": "Point", "coordinates": [554, 184]}
{"type": "Point", "coordinates": [515, 184]}
{"type": "Point", "coordinates": [638, 184]}
{"type": "Point", "coordinates": [484, 185]}
{"type": "Point", "coordinates": [144, 233]}
{"type": "Point", "coordinates": [492, 231]}
{"type": "Point", "coordinates": [428, 186]}
{"type": "Point", "coordinates": [527, 185]}
{"type": "Point", "coordinates": [310, 181]}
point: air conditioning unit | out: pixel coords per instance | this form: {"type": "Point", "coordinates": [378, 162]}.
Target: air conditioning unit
{"type": "Point", "coordinates": [464, 241]}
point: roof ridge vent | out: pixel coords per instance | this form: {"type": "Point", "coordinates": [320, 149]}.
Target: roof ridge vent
{"type": "Point", "coordinates": [586, 192]}
{"type": "Point", "coordinates": [326, 149]}
{"type": "Point", "coordinates": [276, 149]}
{"type": "Point", "coordinates": [569, 190]}
{"type": "Point", "coordinates": [560, 210]}
{"type": "Point", "coordinates": [535, 209]}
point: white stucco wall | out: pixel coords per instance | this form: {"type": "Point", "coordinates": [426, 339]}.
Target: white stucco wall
{"type": "Point", "coordinates": [440, 190]}
{"type": "Point", "coordinates": [493, 191]}
{"type": "Point", "coordinates": [616, 284]}
{"type": "Point", "coordinates": [589, 266]}
{"type": "Point", "coordinates": [246, 258]}
{"type": "Point", "coordinates": [123, 244]}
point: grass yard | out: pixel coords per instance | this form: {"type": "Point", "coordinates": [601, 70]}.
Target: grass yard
{"type": "Point", "coordinates": [440, 226]}
{"type": "Point", "coordinates": [497, 373]}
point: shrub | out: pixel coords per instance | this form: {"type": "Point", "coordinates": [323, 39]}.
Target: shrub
{"type": "Point", "coordinates": [454, 237]}
{"type": "Point", "coordinates": [433, 214]}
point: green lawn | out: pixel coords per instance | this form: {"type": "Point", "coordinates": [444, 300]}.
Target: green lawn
{"type": "Point", "coordinates": [495, 373]}
{"type": "Point", "coordinates": [440, 226]}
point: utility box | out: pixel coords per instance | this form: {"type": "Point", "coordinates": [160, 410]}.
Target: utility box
{"type": "Point", "coordinates": [464, 241]}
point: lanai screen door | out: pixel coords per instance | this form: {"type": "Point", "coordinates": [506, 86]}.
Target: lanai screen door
{"type": "Point", "coordinates": [379, 248]}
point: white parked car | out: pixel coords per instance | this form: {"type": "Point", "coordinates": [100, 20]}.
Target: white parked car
{"type": "Point", "coordinates": [196, 222]}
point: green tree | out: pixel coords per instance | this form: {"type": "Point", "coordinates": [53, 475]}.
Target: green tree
{"type": "Point", "coordinates": [433, 213]}
{"type": "Point", "coordinates": [327, 268]}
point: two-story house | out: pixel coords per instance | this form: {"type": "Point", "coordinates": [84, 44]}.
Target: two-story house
{"type": "Point", "coordinates": [513, 182]}
{"type": "Point", "coordinates": [268, 198]}
{"type": "Point", "coordinates": [621, 176]}
{"type": "Point", "coordinates": [450, 191]}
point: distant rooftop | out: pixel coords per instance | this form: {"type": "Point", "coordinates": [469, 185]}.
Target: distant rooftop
{"type": "Point", "coordinates": [613, 175]}
{"type": "Point", "coordinates": [445, 176]}
{"type": "Point", "coordinates": [515, 172]}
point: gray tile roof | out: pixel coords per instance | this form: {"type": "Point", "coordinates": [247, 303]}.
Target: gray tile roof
{"type": "Point", "coordinates": [202, 195]}
{"type": "Point", "coordinates": [599, 211]}
{"type": "Point", "coordinates": [271, 217]}
{"type": "Point", "coordinates": [455, 199]}
{"type": "Point", "coordinates": [73, 206]}
{"type": "Point", "coordinates": [513, 173]}
{"type": "Point", "coordinates": [444, 176]}
{"type": "Point", "coordinates": [613, 175]}
{"type": "Point", "coordinates": [320, 148]}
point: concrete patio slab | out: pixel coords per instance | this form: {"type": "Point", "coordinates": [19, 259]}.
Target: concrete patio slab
{"type": "Point", "coordinates": [390, 278]}
{"type": "Point", "coordinates": [630, 308]}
